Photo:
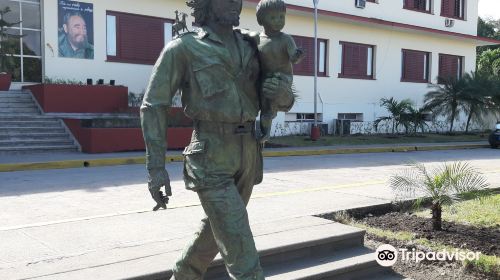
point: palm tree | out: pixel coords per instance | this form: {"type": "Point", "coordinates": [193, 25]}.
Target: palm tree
{"type": "Point", "coordinates": [396, 109]}
{"type": "Point", "coordinates": [416, 118]}
{"type": "Point", "coordinates": [446, 98]}
{"type": "Point", "coordinates": [477, 98]}
{"type": "Point", "coordinates": [443, 185]}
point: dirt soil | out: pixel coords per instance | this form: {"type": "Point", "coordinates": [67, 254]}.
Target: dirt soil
{"type": "Point", "coordinates": [427, 270]}
{"type": "Point", "coordinates": [462, 236]}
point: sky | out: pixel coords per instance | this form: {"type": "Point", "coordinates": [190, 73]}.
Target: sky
{"type": "Point", "coordinates": [489, 8]}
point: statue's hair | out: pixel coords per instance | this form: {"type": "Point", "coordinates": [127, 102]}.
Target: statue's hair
{"type": "Point", "coordinates": [201, 10]}
{"type": "Point", "coordinates": [266, 5]}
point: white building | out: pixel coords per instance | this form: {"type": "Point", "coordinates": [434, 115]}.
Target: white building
{"type": "Point", "coordinates": [388, 48]}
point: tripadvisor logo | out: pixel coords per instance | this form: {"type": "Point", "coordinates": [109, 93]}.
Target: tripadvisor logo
{"type": "Point", "coordinates": [387, 255]}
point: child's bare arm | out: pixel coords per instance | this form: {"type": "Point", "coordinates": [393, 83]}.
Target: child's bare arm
{"type": "Point", "coordinates": [298, 56]}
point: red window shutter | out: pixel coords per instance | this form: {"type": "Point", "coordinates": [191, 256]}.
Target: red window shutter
{"type": "Point", "coordinates": [409, 4]}
{"type": "Point", "coordinates": [448, 66]}
{"type": "Point", "coordinates": [448, 8]}
{"type": "Point", "coordinates": [140, 38]}
{"type": "Point", "coordinates": [414, 66]}
{"type": "Point", "coordinates": [354, 60]}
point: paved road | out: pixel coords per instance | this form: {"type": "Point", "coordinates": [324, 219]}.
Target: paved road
{"type": "Point", "coordinates": [57, 216]}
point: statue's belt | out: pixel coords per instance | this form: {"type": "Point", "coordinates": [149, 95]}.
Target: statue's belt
{"type": "Point", "coordinates": [224, 128]}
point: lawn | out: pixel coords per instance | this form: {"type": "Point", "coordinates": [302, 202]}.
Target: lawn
{"type": "Point", "coordinates": [471, 225]}
{"type": "Point", "coordinates": [304, 141]}
{"type": "Point", "coordinates": [478, 212]}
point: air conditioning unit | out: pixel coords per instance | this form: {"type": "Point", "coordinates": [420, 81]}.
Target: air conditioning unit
{"type": "Point", "coordinates": [360, 4]}
{"type": "Point", "coordinates": [449, 22]}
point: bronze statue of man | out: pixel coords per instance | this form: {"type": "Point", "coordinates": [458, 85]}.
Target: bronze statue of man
{"type": "Point", "coordinates": [218, 72]}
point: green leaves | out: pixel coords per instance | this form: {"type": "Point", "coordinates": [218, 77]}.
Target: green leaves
{"type": "Point", "coordinates": [444, 184]}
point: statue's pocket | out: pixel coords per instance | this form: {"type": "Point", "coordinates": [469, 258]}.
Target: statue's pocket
{"type": "Point", "coordinates": [194, 162]}
{"type": "Point", "coordinates": [212, 77]}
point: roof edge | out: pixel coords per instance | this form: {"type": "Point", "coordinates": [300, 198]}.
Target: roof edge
{"type": "Point", "coordinates": [480, 41]}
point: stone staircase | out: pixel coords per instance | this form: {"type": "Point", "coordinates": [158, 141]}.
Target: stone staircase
{"type": "Point", "coordinates": [306, 248]}
{"type": "Point", "coordinates": [24, 129]}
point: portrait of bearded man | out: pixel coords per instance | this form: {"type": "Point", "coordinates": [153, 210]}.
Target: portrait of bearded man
{"type": "Point", "coordinates": [73, 39]}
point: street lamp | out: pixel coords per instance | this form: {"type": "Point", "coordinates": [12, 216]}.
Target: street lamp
{"type": "Point", "coordinates": [315, 132]}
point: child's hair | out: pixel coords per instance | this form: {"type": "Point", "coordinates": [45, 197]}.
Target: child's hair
{"type": "Point", "coordinates": [265, 5]}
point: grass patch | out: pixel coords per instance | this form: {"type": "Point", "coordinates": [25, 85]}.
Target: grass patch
{"type": "Point", "coordinates": [484, 212]}
{"type": "Point", "coordinates": [304, 141]}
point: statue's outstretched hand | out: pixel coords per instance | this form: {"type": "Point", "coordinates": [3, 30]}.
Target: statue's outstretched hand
{"type": "Point", "coordinates": [158, 177]}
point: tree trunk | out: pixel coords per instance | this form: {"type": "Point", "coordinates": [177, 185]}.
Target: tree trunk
{"type": "Point", "coordinates": [436, 216]}
{"type": "Point", "coordinates": [452, 120]}
{"type": "Point", "coordinates": [468, 121]}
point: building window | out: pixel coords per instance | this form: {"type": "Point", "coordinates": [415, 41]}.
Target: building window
{"type": "Point", "coordinates": [418, 5]}
{"type": "Point", "coordinates": [450, 66]}
{"type": "Point", "coordinates": [356, 61]}
{"type": "Point", "coordinates": [415, 66]}
{"type": "Point", "coordinates": [355, 117]}
{"type": "Point", "coordinates": [306, 66]}
{"type": "Point", "coordinates": [26, 49]}
{"type": "Point", "coordinates": [302, 117]}
{"type": "Point", "coordinates": [453, 9]}
{"type": "Point", "coordinates": [136, 38]}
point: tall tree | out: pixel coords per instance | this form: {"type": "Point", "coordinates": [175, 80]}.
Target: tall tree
{"type": "Point", "coordinates": [488, 28]}
{"type": "Point", "coordinates": [446, 98]}
{"type": "Point", "coordinates": [477, 96]}
{"type": "Point", "coordinates": [489, 62]}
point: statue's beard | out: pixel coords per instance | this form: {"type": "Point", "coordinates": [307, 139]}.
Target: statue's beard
{"type": "Point", "coordinates": [233, 20]}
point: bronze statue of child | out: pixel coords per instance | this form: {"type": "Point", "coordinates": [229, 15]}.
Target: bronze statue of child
{"type": "Point", "coordinates": [277, 52]}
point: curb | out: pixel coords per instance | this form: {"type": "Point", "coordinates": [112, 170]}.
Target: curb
{"type": "Point", "coordinates": [64, 164]}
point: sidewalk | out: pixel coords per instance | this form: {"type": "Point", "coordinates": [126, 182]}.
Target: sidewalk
{"type": "Point", "coordinates": [97, 223]}
{"type": "Point", "coordinates": [40, 161]}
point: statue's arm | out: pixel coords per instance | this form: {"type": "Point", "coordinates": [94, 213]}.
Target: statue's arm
{"type": "Point", "coordinates": [294, 53]}
{"type": "Point", "coordinates": [165, 80]}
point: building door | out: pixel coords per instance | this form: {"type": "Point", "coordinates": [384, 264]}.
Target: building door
{"type": "Point", "coordinates": [26, 49]}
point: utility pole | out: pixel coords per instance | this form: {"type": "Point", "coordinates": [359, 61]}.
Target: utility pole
{"type": "Point", "coordinates": [315, 131]}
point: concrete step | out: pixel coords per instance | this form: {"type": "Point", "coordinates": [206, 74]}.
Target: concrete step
{"type": "Point", "coordinates": [351, 263]}
{"type": "Point", "coordinates": [34, 136]}
{"type": "Point", "coordinates": [5, 130]}
{"type": "Point", "coordinates": [36, 149]}
{"type": "Point", "coordinates": [36, 142]}
{"type": "Point", "coordinates": [19, 110]}
{"type": "Point", "coordinates": [15, 99]}
{"type": "Point", "coordinates": [19, 115]}
{"type": "Point", "coordinates": [305, 248]}
{"type": "Point", "coordinates": [314, 253]}
{"type": "Point", "coordinates": [31, 123]}
{"type": "Point", "coordinates": [24, 117]}
{"type": "Point", "coordinates": [13, 94]}
{"type": "Point", "coordinates": [28, 104]}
